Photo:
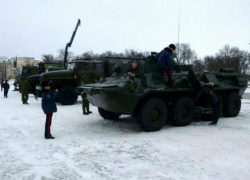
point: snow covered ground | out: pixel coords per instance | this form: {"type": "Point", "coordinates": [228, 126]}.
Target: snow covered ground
{"type": "Point", "coordinates": [88, 147]}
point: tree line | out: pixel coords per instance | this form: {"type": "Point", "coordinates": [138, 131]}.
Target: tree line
{"type": "Point", "coordinates": [226, 57]}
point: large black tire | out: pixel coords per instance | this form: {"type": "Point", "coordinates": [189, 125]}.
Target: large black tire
{"type": "Point", "coordinates": [182, 111]}
{"type": "Point", "coordinates": [67, 95]}
{"type": "Point", "coordinates": [151, 114]}
{"type": "Point", "coordinates": [232, 105]}
{"type": "Point", "coordinates": [107, 115]}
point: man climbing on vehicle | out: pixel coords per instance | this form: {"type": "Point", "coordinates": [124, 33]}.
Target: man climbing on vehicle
{"type": "Point", "coordinates": [165, 63]}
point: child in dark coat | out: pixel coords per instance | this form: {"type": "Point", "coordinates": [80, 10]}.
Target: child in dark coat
{"type": "Point", "coordinates": [48, 106]}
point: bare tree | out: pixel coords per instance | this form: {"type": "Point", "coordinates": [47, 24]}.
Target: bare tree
{"type": "Point", "coordinates": [87, 55]}
{"type": "Point", "coordinates": [61, 54]}
{"type": "Point", "coordinates": [184, 54]}
{"type": "Point", "coordinates": [228, 57]}
{"type": "Point", "coordinates": [135, 54]}
{"type": "Point", "coordinates": [199, 66]}
{"type": "Point", "coordinates": [128, 53]}
{"type": "Point", "coordinates": [48, 58]}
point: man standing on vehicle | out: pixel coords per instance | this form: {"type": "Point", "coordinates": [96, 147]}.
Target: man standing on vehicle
{"type": "Point", "coordinates": [165, 63]}
{"type": "Point", "coordinates": [24, 88]}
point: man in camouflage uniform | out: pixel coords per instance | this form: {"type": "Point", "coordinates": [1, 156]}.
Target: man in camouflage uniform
{"type": "Point", "coordinates": [24, 88]}
{"type": "Point", "coordinates": [135, 70]}
{"type": "Point", "coordinates": [85, 102]}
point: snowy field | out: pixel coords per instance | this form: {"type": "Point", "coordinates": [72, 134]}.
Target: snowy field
{"type": "Point", "coordinates": [88, 147]}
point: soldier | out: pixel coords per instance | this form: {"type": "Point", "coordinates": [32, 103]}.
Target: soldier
{"type": "Point", "coordinates": [85, 102]}
{"type": "Point", "coordinates": [48, 106]}
{"type": "Point", "coordinates": [135, 70]}
{"type": "Point", "coordinates": [24, 88]}
{"type": "Point", "coordinates": [214, 100]}
{"type": "Point", "coordinates": [165, 63]}
{"type": "Point", "coordinates": [1, 84]}
{"type": "Point", "coordinates": [6, 88]}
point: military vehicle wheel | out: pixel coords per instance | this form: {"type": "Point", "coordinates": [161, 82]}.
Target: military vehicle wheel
{"type": "Point", "coordinates": [108, 115]}
{"type": "Point", "coordinates": [182, 111]}
{"type": "Point", "coordinates": [152, 114]}
{"type": "Point", "coordinates": [67, 95]}
{"type": "Point", "coordinates": [232, 105]}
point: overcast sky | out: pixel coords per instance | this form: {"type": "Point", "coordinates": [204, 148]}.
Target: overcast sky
{"type": "Point", "coordinates": [35, 27]}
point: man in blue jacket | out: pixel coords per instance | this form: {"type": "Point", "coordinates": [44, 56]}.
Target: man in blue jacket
{"type": "Point", "coordinates": [48, 106]}
{"type": "Point", "coordinates": [165, 62]}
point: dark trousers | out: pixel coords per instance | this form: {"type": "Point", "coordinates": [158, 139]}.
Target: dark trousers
{"type": "Point", "coordinates": [5, 93]}
{"type": "Point", "coordinates": [216, 111]}
{"type": "Point", "coordinates": [48, 124]}
{"type": "Point", "coordinates": [170, 77]}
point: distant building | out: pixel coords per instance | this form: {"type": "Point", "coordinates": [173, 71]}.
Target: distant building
{"type": "Point", "coordinates": [11, 72]}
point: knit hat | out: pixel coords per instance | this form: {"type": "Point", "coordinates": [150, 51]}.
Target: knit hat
{"type": "Point", "coordinates": [45, 83]}
{"type": "Point", "coordinates": [172, 46]}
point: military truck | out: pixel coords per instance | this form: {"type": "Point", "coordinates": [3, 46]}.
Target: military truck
{"type": "Point", "coordinates": [153, 103]}
{"type": "Point", "coordinates": [27, 71]}
{"type": "Point", "coordinates": [35, 79]}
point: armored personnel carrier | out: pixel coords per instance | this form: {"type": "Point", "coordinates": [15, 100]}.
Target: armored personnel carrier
{"type": "Point", "coordinates": [152, 102]}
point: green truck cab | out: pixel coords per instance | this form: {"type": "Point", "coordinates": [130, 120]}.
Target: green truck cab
{"type": "Point", "coordinates": [34, 80]}
{"type": "Point", "coordinates": [25, 72]}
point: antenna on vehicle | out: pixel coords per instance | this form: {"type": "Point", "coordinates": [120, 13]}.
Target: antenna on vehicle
{"type": "Point", "coordinates": [179, 37]}
{"type": "Point", "coordinates": [179, 40]}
